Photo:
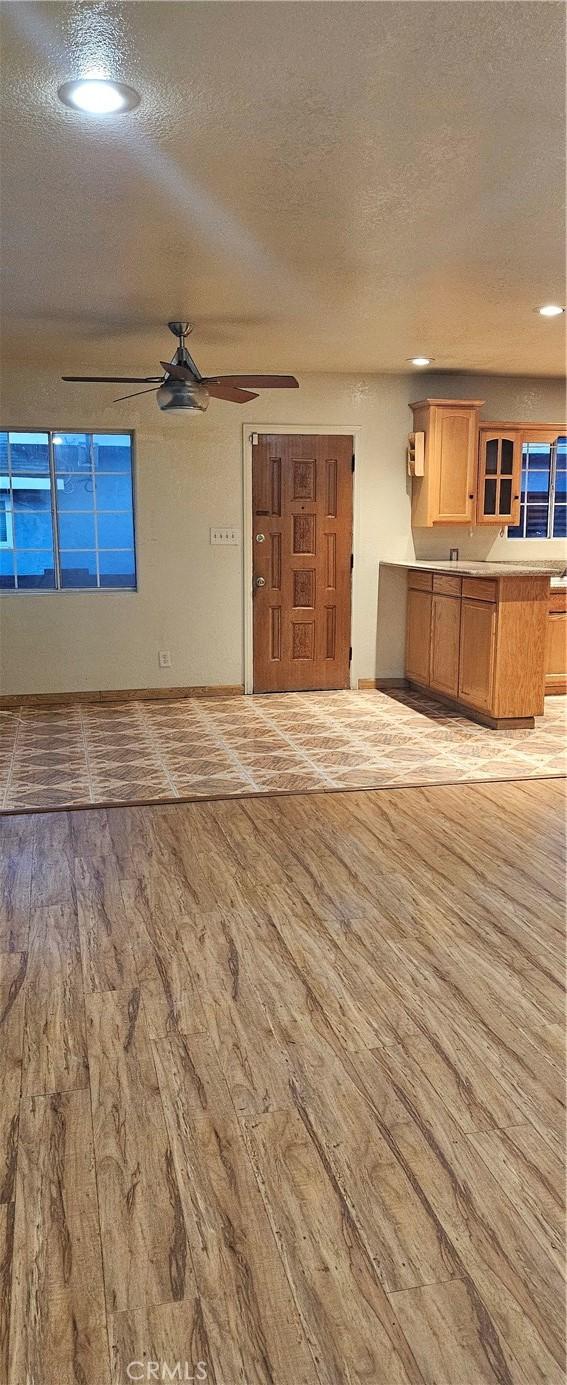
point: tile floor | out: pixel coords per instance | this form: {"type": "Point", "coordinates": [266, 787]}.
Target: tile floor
{"type": "Point", "coordinates": [144, 751]}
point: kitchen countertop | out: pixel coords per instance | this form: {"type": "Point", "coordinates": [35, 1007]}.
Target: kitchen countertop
{"type": "Point", "coordinates": [553, 569]}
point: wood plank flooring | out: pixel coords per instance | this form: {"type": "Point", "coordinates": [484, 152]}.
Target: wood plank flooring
{"type": "Point", "coordinates": [282, 1091]}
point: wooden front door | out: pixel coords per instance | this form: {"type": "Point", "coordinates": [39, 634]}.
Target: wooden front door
{"type": "Point", "coordinates": [302, 544]}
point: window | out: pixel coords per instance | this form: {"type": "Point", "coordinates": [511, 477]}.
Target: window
{"type": "Point", "coordinates": [543, 502]}
{"type": "Point", "coordinates": [66, 511]}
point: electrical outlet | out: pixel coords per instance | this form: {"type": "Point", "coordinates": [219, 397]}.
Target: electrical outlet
{"type": "Point", "coordinates": [225, 534]}
{"type": "Point", "coordinates": [164, 658]}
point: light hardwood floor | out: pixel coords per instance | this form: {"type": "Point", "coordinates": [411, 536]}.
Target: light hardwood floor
{"type": "Point", "coordinates": [282, 1090]}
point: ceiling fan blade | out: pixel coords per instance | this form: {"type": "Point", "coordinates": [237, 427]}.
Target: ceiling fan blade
{"type": "Point", "coordinates": [178, 372]}
{"type": "Point", "coordinates": [235, 396]}
{"type": "Point", "coordinates": [121, 397]}
{"type": "Point", "coordinates": [260, 382]}
{"type": "Point", "coordinates": [116, 379]}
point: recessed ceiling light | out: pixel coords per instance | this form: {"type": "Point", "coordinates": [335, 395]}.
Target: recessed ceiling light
{"type": "Point", "coordinates": [420, 360]}
{"type": "Point", "coordinates": [551, 310]}
{"type": "Point", "coordinates": [97, 96]}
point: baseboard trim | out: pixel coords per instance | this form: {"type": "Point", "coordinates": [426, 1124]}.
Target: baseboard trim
{"type": "Point", "coordinates": [383, 683]}
{"type": "Point", "coordinates": [69, 699]}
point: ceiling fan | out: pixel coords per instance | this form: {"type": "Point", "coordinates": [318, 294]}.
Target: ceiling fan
{"type": "Point", "coordinates": [183, 387]}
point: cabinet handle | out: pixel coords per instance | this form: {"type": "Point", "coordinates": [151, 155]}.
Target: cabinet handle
{"type": "Point", "coordinates": [471, 497]}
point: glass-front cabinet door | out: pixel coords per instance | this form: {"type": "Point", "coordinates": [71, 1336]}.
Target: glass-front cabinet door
{"type": "Point", "coordinates": [499, 476]}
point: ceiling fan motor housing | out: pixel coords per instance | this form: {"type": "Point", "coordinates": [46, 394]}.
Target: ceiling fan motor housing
{"type": "Point", "coordinates": [177, 395]}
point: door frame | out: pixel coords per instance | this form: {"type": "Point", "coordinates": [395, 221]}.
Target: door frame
{"type": "Point", "coordinates": [321, 429]}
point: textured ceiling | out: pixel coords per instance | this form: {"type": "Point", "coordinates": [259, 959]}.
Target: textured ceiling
{"type": "Point", "coordinates": [317, 186]}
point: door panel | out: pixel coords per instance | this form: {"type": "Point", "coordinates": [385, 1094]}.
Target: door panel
{"type": "Point", "coordinates": [445, 630]}
{"type": "Point", "coordinates": [457, 460]}
{"type": "Point", "coordinates": [556, 652]}
{"type": "Point", "coordinates": [499, 478]}
{"type": "Point", "coordinates": [418, 635]}
{"type": "Point", "coordinates": [478, 635]}
{"type": "Point", "coordinates": [302, 506]}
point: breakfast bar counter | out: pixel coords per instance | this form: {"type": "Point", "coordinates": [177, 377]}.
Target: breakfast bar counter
{"type": "Point", "coordinates": [477, 635]}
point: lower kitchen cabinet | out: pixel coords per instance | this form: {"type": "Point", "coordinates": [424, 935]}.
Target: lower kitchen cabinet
{"type": "Point", "coordinates": [418, 640]}
{"type": "Point", "coordinates": [480, 642]}
{"type": "Point", "coordinates": [556, 644]}
{"type": "Point", "coordinates": [445, 634]}
{"type": "Point", "coordinates": [476, 669]}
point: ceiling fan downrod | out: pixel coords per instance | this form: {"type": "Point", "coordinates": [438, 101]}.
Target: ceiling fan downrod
{"type": "Point", "coordinates": [181, 330]}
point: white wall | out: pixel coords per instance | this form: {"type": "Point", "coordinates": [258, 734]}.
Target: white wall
{"type": "Point", "coordinates": [189, 477]}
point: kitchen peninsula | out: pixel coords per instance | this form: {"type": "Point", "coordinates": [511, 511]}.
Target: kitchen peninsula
{"type": "Point", "coordinates": [477, 635]}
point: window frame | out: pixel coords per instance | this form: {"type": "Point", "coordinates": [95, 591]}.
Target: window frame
{"type": "Point", "coordinates": [544, 435]}
{"type": "Point", "coordinates": [58, 588]}
{"type": "Point", "coordinates": [8, 542]}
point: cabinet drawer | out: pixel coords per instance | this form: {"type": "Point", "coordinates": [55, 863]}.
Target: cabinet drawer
{"type": "Point", "coordinates": [480, 588]}
{"type": "Point", "coordinates": [420, 581]}
{"type": "Point", "coordinates": [449, 586]}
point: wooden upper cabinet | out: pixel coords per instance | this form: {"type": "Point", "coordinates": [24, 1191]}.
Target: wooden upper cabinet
{"type": "Point", "coordinates": [499, 475]}
{"type": "Point", "coordinates": [446, 493]}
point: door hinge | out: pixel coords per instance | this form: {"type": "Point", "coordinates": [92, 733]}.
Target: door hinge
{"type": "Point", "coordinates": [352, 463]}
{"type": "Point", "coordinates": [351, 561]}
{"type": "Point", "coordinates": [350, 655]}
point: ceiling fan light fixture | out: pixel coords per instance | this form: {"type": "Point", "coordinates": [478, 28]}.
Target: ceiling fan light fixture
{"type": "Point", "coordinates": [177, 395]}
{"type": "Point", "coordinates": [98, 96]}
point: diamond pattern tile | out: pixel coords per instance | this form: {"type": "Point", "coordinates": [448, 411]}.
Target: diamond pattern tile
{"type": "Point", "coordinates": [287, 742]}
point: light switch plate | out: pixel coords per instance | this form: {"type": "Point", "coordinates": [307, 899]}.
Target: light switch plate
{"type": "Point", "coordinates": [225, 534]}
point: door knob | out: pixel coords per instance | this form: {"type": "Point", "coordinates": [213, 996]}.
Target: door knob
{"type": "Point", "coordinates": [260, 538]}
{"type": "Point", "coordinates": [259, 581]}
